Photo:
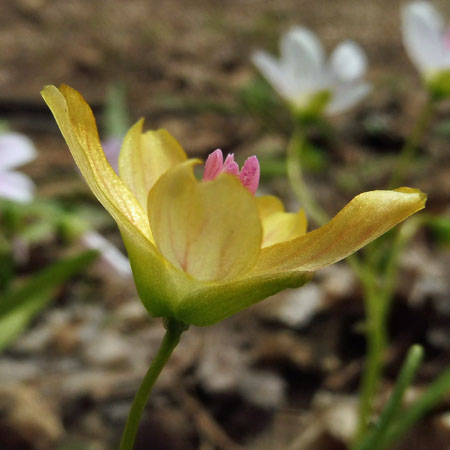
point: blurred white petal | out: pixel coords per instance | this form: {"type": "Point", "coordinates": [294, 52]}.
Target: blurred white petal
{"type": "Point", "coordinates": [270, 68]}
{"type": "Point", "coordinates": [302, 58]}
{"type": "Point", "coordinates": [110, 254]}
{"type": "Point", "coordinates": [423, 34]}
{"type": "Point", "coordinates": [301, 43]}
{"type": "Point", "coordinates": [348, 61]}
{"type": "Point", "coordinates": [298, 306]}
{"type": "Point", "coordinates": [346, 96]}
{"type": "Point", "coordinates": [16, 186]}
{"type": "Point", "coordinates": [111, 147]}
{"type": "Point", "coordinates": [15, 150]}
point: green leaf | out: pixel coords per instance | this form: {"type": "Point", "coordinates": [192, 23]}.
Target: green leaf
{"type": "Point", "coordinates": [20, 305]}
{"type": "Point", "coordinates": [376, 439]}
{"type": "Point", "coordinates": [6, 263]}
{"type": "Point", "coordinates": [438, 389]}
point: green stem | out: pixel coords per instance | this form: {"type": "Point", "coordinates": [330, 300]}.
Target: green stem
{"type": "Point", "coordinates": [298, 185]}
{"type": "Point", "coordinates": [378, 300]}
{"type": "Point", "coordinates": [404, 234]}
{"type": "Point", "coordinates": [438, 389]}
{"type": "Point", "coordinates": [412, 144]}
{"type": "Point", "coordinates": [374, 440]}
{"type": "Point", "coordinates": [174, 330]}
{"type": "Point", "coordinates": [304, 195]}
{"type": "Point", "coordinates": [376, 338]}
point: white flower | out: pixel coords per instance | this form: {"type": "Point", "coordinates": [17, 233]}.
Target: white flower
{"type": "Point", "coordinates": [111, 147]}
{"type": "Point", "coordinates": [425, 37]}
{"type": "Point", "coordinates": [302, 72]}
{"type": "Point", "coordinates": [109, 254]}
{"type": "Point", "coordinates": [15, 150]}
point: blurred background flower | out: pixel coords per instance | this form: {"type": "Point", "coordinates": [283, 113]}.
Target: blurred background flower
{"type": "Point", "coordinates": [307, 80]}
{"type": "Point", "coordinates": [113, 260]}
{"type": "Point", "coordinates": [15, 150]}
{"type": "Point", "coordinates": [111, 146]}
{"type": "Point", "coordinates": [426, 38]}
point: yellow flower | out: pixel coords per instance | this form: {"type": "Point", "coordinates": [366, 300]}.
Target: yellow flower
{"type": "Point", "coordinates": [203, 250]}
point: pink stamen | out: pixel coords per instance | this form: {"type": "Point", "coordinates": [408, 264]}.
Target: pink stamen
{"type": "Point", "coordinates": [213, 165]}
{"type": "Point", "coordinates": [230, 165]}
{"type": "Point", "coordinates": [249, 175]}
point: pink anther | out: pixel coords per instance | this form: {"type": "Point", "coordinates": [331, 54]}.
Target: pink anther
{"type": "Point", "coordinates": [249, 175]}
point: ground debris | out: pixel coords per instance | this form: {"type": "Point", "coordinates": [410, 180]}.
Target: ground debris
{"type": "Point", "coordinates": [27, 418]}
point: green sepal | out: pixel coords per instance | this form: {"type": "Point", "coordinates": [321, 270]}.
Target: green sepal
{"type": "Point", "coordinates": [213, 302]}
{"type": "Point", "coordinates": [438, 85]}
{"type": "Point", "coordinates": [152, 275]}
{"type": "Point", "coordinates": [314, 109]}
{"type": "Point", "coordinates": [168, 292]}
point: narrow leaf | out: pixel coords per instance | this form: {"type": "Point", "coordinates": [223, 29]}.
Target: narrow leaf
{"type": "Point", "coordinates": [20, 305]}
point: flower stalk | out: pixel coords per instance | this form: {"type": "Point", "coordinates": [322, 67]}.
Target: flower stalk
{"type": "Point", "coordinates": [174, 329]}
{"type": "Point", "coordinates": [412, 143]}
{"type": "Point", "coordinates": [304, 195]}
{"type": "Point", "coordinates": [378, 282]}
{"type": "Point", "coordinates": [379, 288]}
{"type": "Point", "coordinates": [376, 341]}
{"type": "Point", "coordinates": [297, 182]}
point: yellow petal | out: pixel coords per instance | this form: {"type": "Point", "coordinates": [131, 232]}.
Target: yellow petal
{"type": "Point", "coordinates": [361, 221]}
{"type": "Point", "coordinates": [77, 124]}
{"type": "Point", "coordinates": [211, 230]}
{"type": "Point", "coordinates": [145, 157]}
{"type": "Point", "coordinates": [279, 226]}
{"type": "Point", "coordinates": [268, 205]}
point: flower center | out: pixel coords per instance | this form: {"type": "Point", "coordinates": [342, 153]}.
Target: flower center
{"type": "Point", "coordinates": [249, 175]}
